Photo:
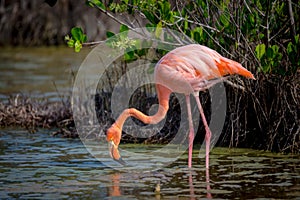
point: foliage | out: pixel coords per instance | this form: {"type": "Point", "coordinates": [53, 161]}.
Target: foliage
{"type": "Point", "coordinates": [122, 42]}
{"type": "Point", "coordinates": [263, 35]}
{"type": "Point", "coordinates": [257, 33]}
{"type": "Point", "coordinates": [77, 39]}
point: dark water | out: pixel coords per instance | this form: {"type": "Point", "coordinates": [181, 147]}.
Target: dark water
{"type": "Point", "coordinates": [41, 166]}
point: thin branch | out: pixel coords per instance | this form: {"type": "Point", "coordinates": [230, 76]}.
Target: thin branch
{"type": "Point", "coordinates": [198, 23]}
{"type": "Point", "coordinates": [113, 17]}
{"type": "Point", "coordinates": [247, 6]}
{"type": "Point", "coordinates": [275, 35]}
{"type": "Point", "coordinates": [292, 18]}
{"type": "Point", "coordinates": [235, 85]}
{"type": "Point", "coordinates": [211, 28]}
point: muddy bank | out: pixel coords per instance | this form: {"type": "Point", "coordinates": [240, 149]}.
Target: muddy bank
{"type": "Point", "coordinates": [33, 22]}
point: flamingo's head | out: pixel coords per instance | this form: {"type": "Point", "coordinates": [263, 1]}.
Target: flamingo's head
{"type": "Point", "coordinates": [113, 136]}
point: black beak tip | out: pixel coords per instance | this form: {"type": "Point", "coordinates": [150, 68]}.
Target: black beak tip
{"type": "Point", "coordinates": [121, 161]}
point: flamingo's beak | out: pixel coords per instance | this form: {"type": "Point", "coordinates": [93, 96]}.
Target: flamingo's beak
{"type": "Point", "coordinates": [114, 152]}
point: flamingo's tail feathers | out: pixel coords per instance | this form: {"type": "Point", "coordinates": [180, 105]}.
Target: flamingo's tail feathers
{"type": "Point", "coordinates": [227, 66]}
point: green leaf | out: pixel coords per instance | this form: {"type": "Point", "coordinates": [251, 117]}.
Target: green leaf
{"type": "Point", "coordinates": [289, 48]}
{"type": "Point", "coordinates": [166, 9]}
{"type": "Point", "coordinates": [171, 17]}
{"type": "Point", "coordinates": [186, 23]}
{"type": "Point", "coordinates": [78, 46]}
{"type": "Point", "coordinates": [224, 20]}
{"type": "Point", "coordinates": [77, 39]}
{"type": "Point", "coordinates": [137, 44]}
{"type": "Point", "coordinates": [129, 56]}
{"type": "Point", "coordinates": [97, 3]}
{"type": "Point", "coordinates": [196, 37]}
{"type": "Point", "coordinates": [270, 53]}
{"type": "Point", "coordinates": [76, 33]}
{"type": "Point", "coordinates": [275, 48]}
{"type": "Point", "coordinates": [150, 28]}
{"type": "Point", "coordinates": [252, 19]}
{"type": "Point", "coordinates": [260, 50]}
{"type": "Point", "coordinates": [150, 17]}
{"type": "Point", "coordinates": [83, 38]}
{"type": "Point", "coordinates": [279, 8]}
{"type": "Point", "coordinates": [109, 34]}
{"type": "Point", "coordinates": [101, 5]}
{"type": "Point", "coordinates": [90, 4]}
{"type": "Point", "coordinates": [123, 28]}
{"type": "Point", "coordinates": [160, 7]}
{"type": "Point", "coordinates": [112, 6]}
{"type": "Point", "coordinates": [158, 29]}
{"type": "Point", "coordinates": [197, 34]}
{"type": "Point", "coordinates": [297, 39]}
{"type": "Point", "coordinates": [71, 43]}
{"type": "Point", "coordinates": [266, 68]}
{"type": "Point", "coordinates": [279, 56]}
{"type": "Point", "coordinates": [261, 36]}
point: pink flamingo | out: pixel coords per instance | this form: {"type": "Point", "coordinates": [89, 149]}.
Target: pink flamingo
{"type": "Point", "coordinates": [188, 70]}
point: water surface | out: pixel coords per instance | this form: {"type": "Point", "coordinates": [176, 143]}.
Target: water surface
{"type": "Point", "coordinates": [41, 166]}
{"type": "Point", "coordinates": [38, 71]}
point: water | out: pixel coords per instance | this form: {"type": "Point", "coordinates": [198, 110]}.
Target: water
{"type": "Point", "coordinates": [40, 72]}
{"type": "Point", "coordinates": [41, 166]}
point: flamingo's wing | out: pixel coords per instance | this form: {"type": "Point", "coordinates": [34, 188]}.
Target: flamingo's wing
{"type": "Point", "coordinates": [172, 79]}
{"type": "Point", "coordinates": [189, 68]}
{"type": "Point", "coordinates": [225, 65]}
{"type": "Point", "coordinates": [185, 72]}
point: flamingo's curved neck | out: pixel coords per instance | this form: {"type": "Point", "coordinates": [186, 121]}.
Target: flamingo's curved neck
{"type": "Point", "coordinates": [163, 98]}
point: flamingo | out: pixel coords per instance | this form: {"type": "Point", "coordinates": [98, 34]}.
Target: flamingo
{"type": "Point", "coordinates": [188, 70]}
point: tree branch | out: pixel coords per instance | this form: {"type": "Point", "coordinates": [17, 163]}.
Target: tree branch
{"type": "Point", "coordinates": [292, 18]}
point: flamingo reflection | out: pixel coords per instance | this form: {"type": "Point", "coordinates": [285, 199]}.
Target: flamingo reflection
{"type": "Point", "coordinates": [191, 185]}
{"type": "Point", "coordinates": [114, 190]}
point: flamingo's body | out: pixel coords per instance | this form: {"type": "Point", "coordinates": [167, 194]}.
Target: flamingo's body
{"type": "Point", "coordinates": [188, 70]}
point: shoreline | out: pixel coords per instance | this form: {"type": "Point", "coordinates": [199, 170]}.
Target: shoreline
{"type": "Point", "coordinates": [31, 114]}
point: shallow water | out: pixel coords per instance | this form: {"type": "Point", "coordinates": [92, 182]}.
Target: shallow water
{"type": "Point", "coordinates": [41, 166]}
{"type": "Point", "coordinates": [38, 71]}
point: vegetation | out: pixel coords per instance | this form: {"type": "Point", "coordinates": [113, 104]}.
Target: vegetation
{"type": "Point", "coordinates": [22, 111]}
{"type": "Point", "coordinates": [263, 35]}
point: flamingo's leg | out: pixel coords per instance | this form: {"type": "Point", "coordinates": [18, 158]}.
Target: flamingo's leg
{"type": "Point", "coordinates": [207, 130]}
{"type": "Point", "coordinates": [191, 131]}
{"type": "Point", "coordinates": [208, 189]}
